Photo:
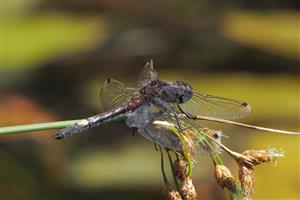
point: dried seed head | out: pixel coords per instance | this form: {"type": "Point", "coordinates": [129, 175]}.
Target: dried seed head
{"type": "Point", "coordinates": [207, 146]}
{"type": "Point", "coordinates": [247, 179]}
{"type": "Point", "coordinates": [180, 169]}
{"type": "Point", "coordinates": [189, 139]}
{"type": "Point", "coordinates": [171, 193]}
{"type": "Point", "coordinates": [225, 178]}
{"type": "Point", "coordinates": [187, 190]}
{"type": "Point", "coordinates": [261, 156]}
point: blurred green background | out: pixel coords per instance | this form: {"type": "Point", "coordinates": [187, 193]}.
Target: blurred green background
{"type": "Point", "coordinates": [55, 57]}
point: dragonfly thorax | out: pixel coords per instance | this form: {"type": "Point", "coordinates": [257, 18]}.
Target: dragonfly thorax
{"type": "Point", "coordinates": [153, 89]}
{"type": "Point", "coordinates": [177, 92]}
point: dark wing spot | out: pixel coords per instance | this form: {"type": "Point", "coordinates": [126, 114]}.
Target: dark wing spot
{"type": "Point", "coordinates": [245, 104]}
{"type": "Point", "coordinates": [107, 81]}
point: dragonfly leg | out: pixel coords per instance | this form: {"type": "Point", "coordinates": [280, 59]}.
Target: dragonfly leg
{"type": "Point", "coordinates": [188, 115]}
{"type": "Point", "coordinates": [155, 146]}
{"type": "Point", "coordinates": [180, 125]}
{"type": "Point", "coordinates": [178, 122]}
{"type": "Point", "coordinates": [166, 107]}
{"type": "Point", "coordinates": [133, 132]}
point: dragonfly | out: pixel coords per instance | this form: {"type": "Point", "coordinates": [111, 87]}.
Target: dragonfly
{"type": "Point", "coordinates": [152, 100]}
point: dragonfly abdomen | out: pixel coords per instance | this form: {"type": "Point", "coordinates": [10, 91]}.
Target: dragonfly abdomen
{"type": "Point", "coordinates": [98, 119]}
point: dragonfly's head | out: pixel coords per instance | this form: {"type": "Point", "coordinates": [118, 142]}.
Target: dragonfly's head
{"type": "Point", "coordinates": [177, 92]}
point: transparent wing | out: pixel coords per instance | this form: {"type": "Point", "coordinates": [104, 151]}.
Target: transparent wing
{"type": "Point", "coordinates": [147, 75]}
{"type": "Point", "coordinates": [115, 93]}
{"type": "Point", "coordinates": [143, 119]}
{"type": "Point", "coordinates": [214, 106]}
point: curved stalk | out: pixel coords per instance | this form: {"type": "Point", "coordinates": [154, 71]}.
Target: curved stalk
{"type": "Point", "coordinates": [162, 166]}
{"type": "Point", "coordinates": [173, 171]}
{"type": "Point", "coordinates": [246, 125]}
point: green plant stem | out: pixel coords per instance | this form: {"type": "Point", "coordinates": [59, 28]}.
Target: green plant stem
{"type": "Point", "coordinates": [173, 171]}
{"type": "Point", "coordinates": [216, 159]}
{"type": "Point", "coordinates": [36, 127]}
{"type": "Point", "coordinates": [8, 130]}
{"type": "Point", "coordinates": [185, 150]}
{"type": "Point", "coordinates": [162, 166]}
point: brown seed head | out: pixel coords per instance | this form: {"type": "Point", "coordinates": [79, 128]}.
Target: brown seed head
{"type": "Point", "coordinates": [171, 193]}
{"type": "Point", "coordinates": [247, 178]}
{"type": "Point", "coordinates": [180, 169]}
{"type": "Point", "coordinates": [189, 139]}
{"type": "Point", "coordinates": [187, 190]}
{"type": "Point", "coordinates": [225, 178]}
{"type": "Point", "coordinates": [261, 156]}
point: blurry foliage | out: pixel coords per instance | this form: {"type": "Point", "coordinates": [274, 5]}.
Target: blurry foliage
{"type": "Point", "coordinates": [31, 40]}
{"type": "Point", "coordinates": [13, 104]}
{"type": "Point", "coordinates": [101, 168]}
{"type": "Point", "coordinates": [275, 32]}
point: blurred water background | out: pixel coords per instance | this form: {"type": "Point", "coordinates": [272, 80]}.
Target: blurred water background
{"type": "Point", "coordinates": [56, 56]}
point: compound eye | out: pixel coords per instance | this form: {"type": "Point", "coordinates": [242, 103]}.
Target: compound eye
{"type": "Point", "coordinates": [181, 99]}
